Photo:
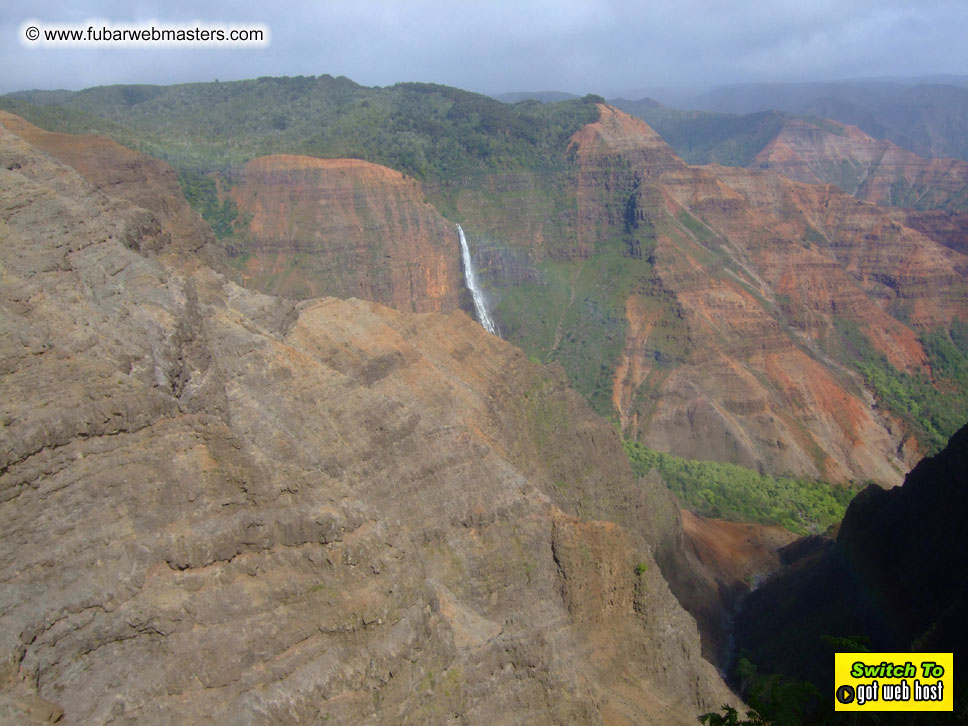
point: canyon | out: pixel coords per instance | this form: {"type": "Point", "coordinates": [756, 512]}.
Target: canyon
{"type": "Point", "coordinates": [871, 170]}
{"type": "Point", "coordinates": [716, 312]}
{"type": "Point", "coordinates": [224, 506]}
{"type": "Point", "coordinates": [699, 306]}
{"type": "Point", "coordinates": [731, 285]}
{"type": "Point", "coordinates": [280, 474]}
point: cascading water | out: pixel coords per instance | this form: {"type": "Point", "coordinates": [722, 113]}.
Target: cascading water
{"type": "Point", "coordinates": [471, 279]}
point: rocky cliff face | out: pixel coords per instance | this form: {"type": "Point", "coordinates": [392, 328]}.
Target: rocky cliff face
{"type": "Point", "coordinates": [344, 227]}
{"type": "Point", "coordinates": [706, 310]}
{"type": "Point", "coordinates": [120, 172]}
{"type": "Point", "coordinates": [948, 228]}
{"type": "Point", "coordinates": [828, 152]}
{"type": "Point", "coordinates": [701, 307]}
{"type": "Point", "coordinates": [218, 506]}
{"type": "Point", "coordinates": [752, 271]}
{"type": "Point", "coordinates": [876, 260]}
{"type": "Point", "coordinates": [697, 305]}
{"type": "Point", "coordinates": [933, 191]}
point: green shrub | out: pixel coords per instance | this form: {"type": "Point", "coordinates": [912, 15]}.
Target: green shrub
{"type": "Point", "coordinates": [734, 492]}
{"type": "Point", "coordinates": [932, 410]}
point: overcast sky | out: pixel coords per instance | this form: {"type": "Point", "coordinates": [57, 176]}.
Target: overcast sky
{"type": "Point", "coordinates": [606, 46]}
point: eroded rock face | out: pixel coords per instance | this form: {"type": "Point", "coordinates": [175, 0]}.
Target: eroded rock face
{"type": "Point", "coordinates": [759, 269]}
{"type": "Point", "coordinates": [948, 228]}
{"type": "Point", "coordinates": [728, 337]}
{"type": "Point", "coordinates": [731, 558]}
{"type": "Point", "coordinates": [120, 172]}
{"type": "Point", "coordinates": [218, 506]}
{"type": "Point", "coordinates": [729, 334]}
{"type": "Point", "coordinates": [893, 265]}
{"type": "Point", "coordinates": [347, 228]}
{"type": "Point", "coordinates": [828, 152]}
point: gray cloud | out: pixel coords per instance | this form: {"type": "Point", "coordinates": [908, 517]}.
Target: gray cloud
{"type": "Point", "coordinates": [572, 45]}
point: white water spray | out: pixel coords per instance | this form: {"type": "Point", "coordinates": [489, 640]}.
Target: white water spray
{"type": "Point", "coordinates": [471, 279]}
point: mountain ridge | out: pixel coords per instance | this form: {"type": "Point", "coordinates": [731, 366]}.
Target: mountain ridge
{"type": "Point", "coordinates": [603, 272]}
{"type": "Point", "coordinates": [220, 505]}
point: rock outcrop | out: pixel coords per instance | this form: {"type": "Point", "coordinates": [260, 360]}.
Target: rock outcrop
{"type": "Point", "coordinates": [347, 228]}
{"type": "Point", "coordinates": [948, 228]}
{"type": "Point", "coordinates": [120, 172]}
{"type": "Point", "coordinates": [828, 152]}
{"type": "Point", "coordinates": [218, 506]}
{"type": "Point", "coordinates": [757, 269]}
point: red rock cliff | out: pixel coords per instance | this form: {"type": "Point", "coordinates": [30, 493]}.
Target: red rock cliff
{"type": "Point", "coordinates": [348, 228]}
{"type": "Point", "coordinates": [828, 152]}
{"type": "Point", "coordinates": [759, 268]}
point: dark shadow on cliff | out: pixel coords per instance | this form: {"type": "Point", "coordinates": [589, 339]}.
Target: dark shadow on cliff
{"type": "Point", "coordinates": [897, 573]}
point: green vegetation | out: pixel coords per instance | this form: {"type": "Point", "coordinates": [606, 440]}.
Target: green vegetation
{"type": "Point", "coordinates": [68, 120]}
{"type": "Point", "coordinates": [425, 130]}
{"type": "Point", "coordinates": [778, 699]}
{"type": "Point", "coordinates": [932, 410]}
{"type": "Point", "coordinates": [775, 699]}
{"type": "Point", "coordinates": [831, 127]}
{"type": "Point", "coordinates": [593, 328]}
{"type": "Point", "coordinates": [700, 230]}
{"type": "Point", "coordinates": [733, 492]}
{"type": "Point", "coordinates": [444, 136]}
{"type": "Point", "coordinates": [202, 194]}
{"type": "Point", "coordinates": [575, 316]}
{"type": "Point", "coordinates": [574, 311]}
{"type": "Point", "coordinates": [730, 717]}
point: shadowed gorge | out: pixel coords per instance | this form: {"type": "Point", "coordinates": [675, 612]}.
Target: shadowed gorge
{"type": "Point", "coordinates": [907, 596]}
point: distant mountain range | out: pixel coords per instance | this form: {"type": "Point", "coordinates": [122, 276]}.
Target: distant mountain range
{"type": "Point", "coordinates": [928, 115]}
{"type": "Point", "coordinates": [811, 149]}
{"type": "Point", "coordinates": [930, 119]}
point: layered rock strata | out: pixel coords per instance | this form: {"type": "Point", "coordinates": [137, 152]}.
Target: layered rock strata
{"type": "Point", "coordinates": [120, 172]}
{"type": "Point", "coordinates": [759, 269]}
{"type": "Point", "coordinates": [828, 152]}
{"type": "Point", "coordinates": [218, 506]}
{"type": "Point", "coordinates": [347, 228]}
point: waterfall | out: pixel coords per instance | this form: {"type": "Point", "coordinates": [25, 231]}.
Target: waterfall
{"type": "Point", "coordinates": [471, 279]}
